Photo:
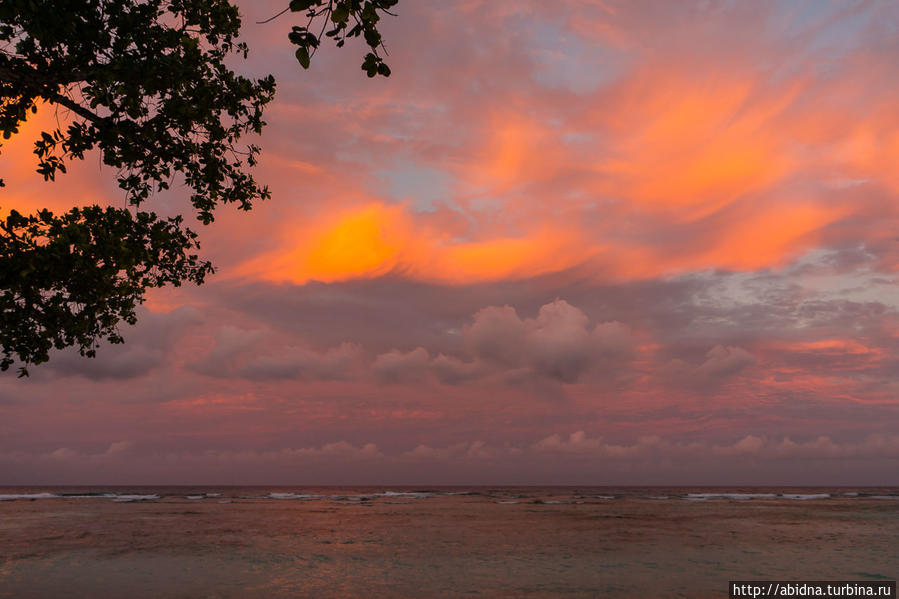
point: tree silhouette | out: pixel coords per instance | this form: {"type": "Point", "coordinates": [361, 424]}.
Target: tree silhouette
{"type": "Point", "coordinates": [145, 84]}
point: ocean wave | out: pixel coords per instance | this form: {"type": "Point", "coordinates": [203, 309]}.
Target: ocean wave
{"type": "Point", "coordinates": [14, 496]}
{"type": "Point", "coordinates": [113, 496]}
{"type": "Point", "coordinates": [130, 498]}
{"type": "Point", "coordinates": [414, 494]}
{"type": "Point", "coordinates": [738, 496]}
{"type": "Point", "coordinates": [390, 496]}
{"type": "Point", "coordinates": [291, 496]}
{"type": "Point", "coordinates": [805, 497]}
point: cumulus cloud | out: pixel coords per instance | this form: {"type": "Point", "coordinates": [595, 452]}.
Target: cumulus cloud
{"type": "Point", "coordinates": [558, 344]}
{"type": "Point", "coordinates": [119, 447]}
{"type": "Point", "coordinates": [721, 363]}
{"type": "Point", "coordinates": [335, 452]}
{"type": "Point", "coordinates": [580, 444]}
{"type": "Point", "coordinates": [397, 366]}
{"type": "Point", "coordinates": [341, 450]}
{"type": "Point", "coordinates": [872, 446]}
{"type": "Point", "coordinates": [248, 354]}
{"type": "Point", "coordinates": [147, 346]}
{"type": "Point", "coordinates": [417, 365]}
{"type": "Point", "coordinates": [337, 363]}
{"type": "Point", "coordinates": [564, 454]}
{"type": "Point", "coordinates": [823, 447]}
{"type": "Point", "coordinates": [129, 361]}
{"type": "Point", "coordinates": [231, 343]}
{"type": "Point", "coordinates": [453, 371]}
{"type": "Point", "coordinates": [497, 335]}
{"type": "Point", "coordinates": [63, 453]}
{"type": "Point", "coordinates": [478, 450]}
{"type": "Point", "coordinates": [116, 449]}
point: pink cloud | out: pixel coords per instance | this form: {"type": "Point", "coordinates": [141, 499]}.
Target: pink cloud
{"type": "Point", "coordinates": [557, 344]}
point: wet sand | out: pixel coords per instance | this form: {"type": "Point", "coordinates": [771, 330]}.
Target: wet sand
{"type": "Point", "coordinates": [436, 545]}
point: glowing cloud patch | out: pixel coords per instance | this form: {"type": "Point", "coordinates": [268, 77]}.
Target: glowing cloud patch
{"type": "Point", "coordinates": [376, 239]}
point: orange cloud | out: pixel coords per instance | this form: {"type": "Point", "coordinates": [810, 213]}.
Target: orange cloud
{"type": "Point", "coordinates": [687, 145]}
{"type": "Point", "coordinates": [766, 237]}
{"type": "Point", "coordinates": [831, 347]}
{"type": "Point", "coordinates": [514, 152]}
{"type": "Point", "coordinates": [377, 239]}
{"type": "Point", "coordinates": [691, 163]}
{"type": "Point", "coordinates": [26, 191]}
{"type": "Point", "coordinates": [685, 161]}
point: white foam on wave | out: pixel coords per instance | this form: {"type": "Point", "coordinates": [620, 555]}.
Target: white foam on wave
{"type": "Point", "coordinates": [604, 497]}
{"type": "Point", "coordinates": [414, 494]}
{"type": "Point", "coordinates": [195, 497]}
{"type": "Point", "coordinates": [213, 494]}
{"type": "Point", "coordinates": [291, 496]}
{"type": "Point", "coordinates": [801, 497]}
{"type": "Point", "coordinates": [91, 496]}
{"type": "Point", "coordinates": [127, 498]}
{"type": "Point", "coordinates": [737, 496]}
{"type": "Point", "coordinates": [14, 496]}
{"type": "Point", "coordinates": [506, 502]}
{"type": "Point", "coordinates": [113, 496]}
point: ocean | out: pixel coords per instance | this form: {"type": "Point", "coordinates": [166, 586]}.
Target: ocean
{"type": "Point", "coordinates": [273, 542]}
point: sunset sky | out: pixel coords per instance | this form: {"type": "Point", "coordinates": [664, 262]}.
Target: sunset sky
{"type": "Point", "coordinates": [569, 242]}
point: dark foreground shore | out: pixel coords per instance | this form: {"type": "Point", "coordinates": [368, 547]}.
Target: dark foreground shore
{"type": "Point", "coordinates": [247, 543]}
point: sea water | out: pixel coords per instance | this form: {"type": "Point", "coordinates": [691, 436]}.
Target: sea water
{"type": "Point", "coordinates": [437, 542]}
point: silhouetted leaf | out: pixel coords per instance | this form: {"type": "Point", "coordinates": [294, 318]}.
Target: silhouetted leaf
{"type": "Point", "coordinates": [303, 56]}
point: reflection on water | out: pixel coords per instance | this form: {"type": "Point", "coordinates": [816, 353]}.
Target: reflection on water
{"type": "Point", "coordinates": [390, 542]}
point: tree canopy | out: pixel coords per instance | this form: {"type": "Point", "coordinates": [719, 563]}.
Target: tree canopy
{"type": "Point", "coordinates": [145, 84]}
